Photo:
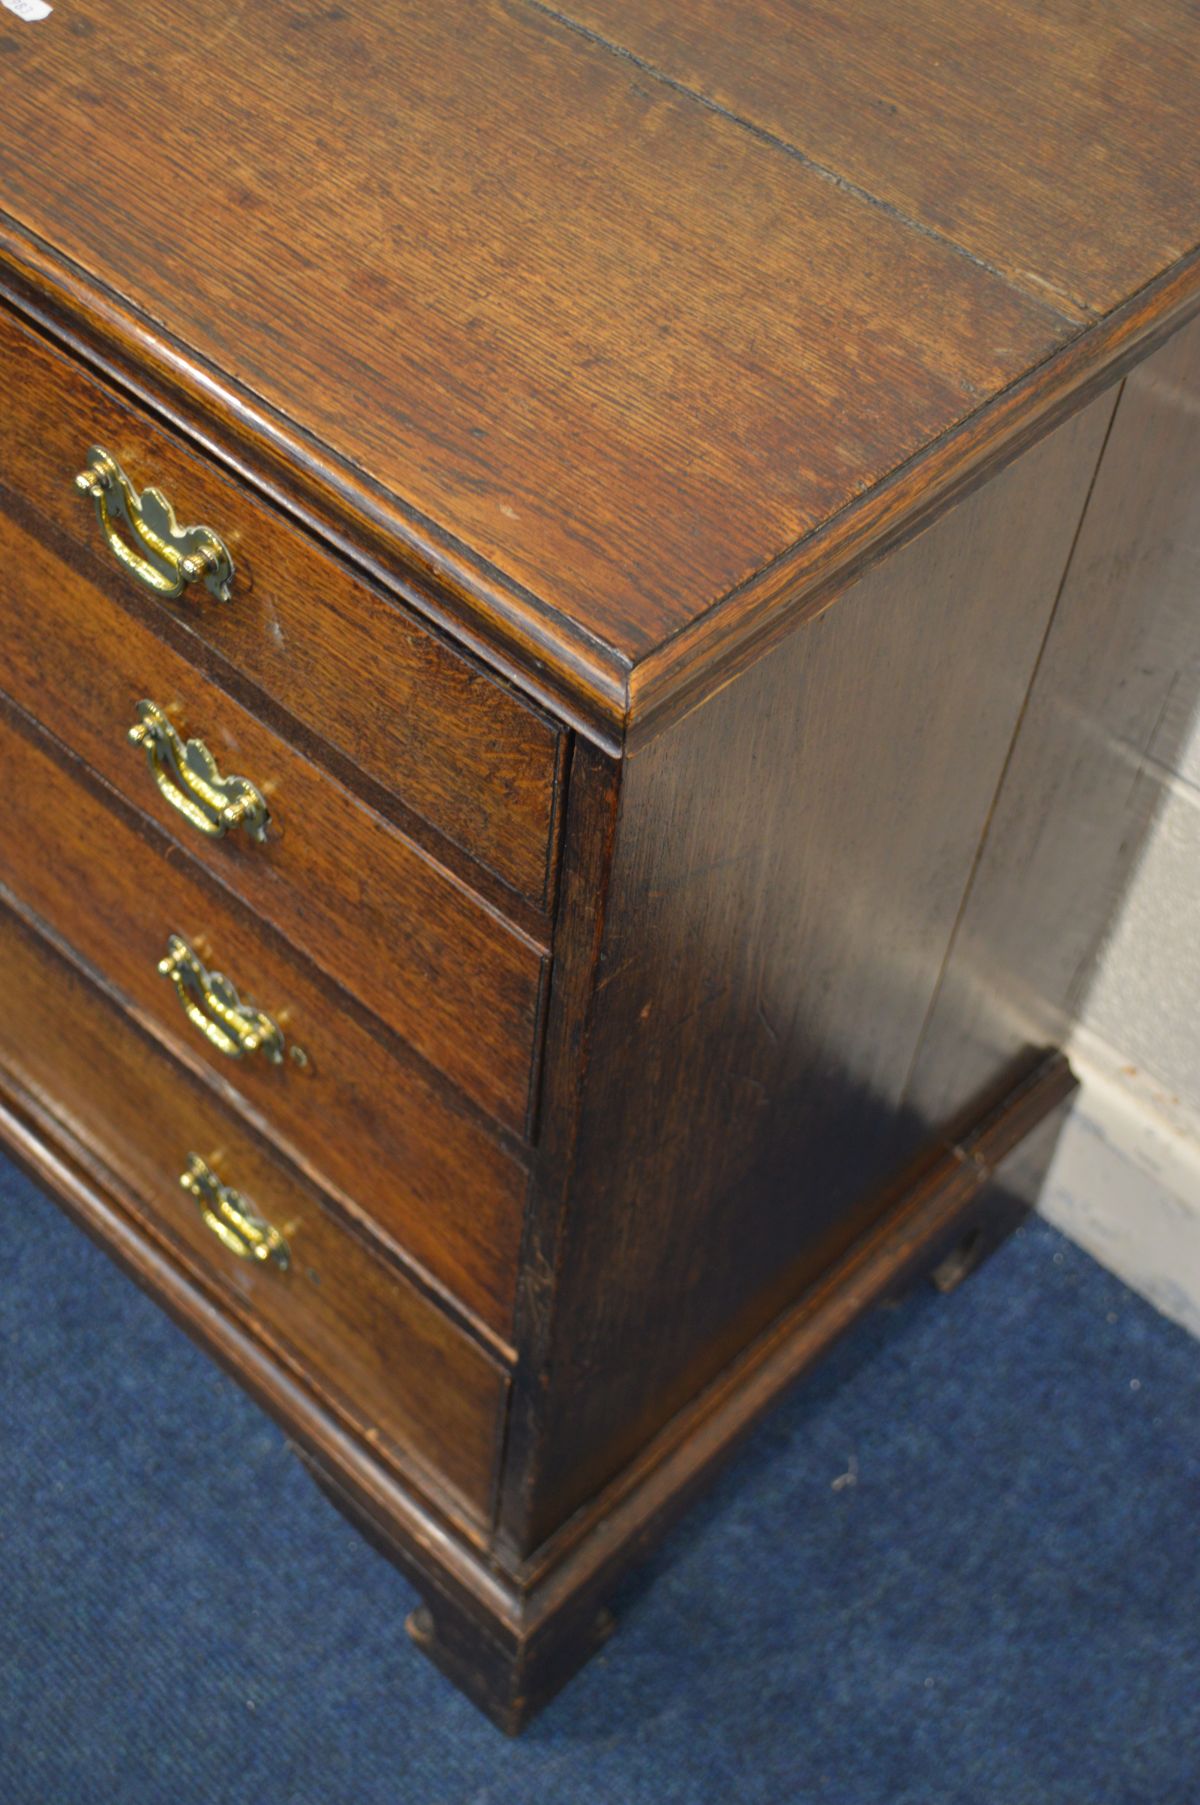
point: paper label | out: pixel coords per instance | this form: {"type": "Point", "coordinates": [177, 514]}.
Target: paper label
{"type": "Point", "coordinates": [28, 9]}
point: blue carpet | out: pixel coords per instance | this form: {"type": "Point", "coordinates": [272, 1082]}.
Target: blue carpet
{"type": "Point", "coordinates": [960, 1566]}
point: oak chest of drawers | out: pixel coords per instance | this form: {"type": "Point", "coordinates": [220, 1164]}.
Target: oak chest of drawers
{"type": "Point", "coordinates": [573, 587]}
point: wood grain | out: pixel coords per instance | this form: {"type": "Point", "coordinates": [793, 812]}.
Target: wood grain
{"type": "Point", "coordinates": [594, 795]}
{"type": "Point", "coordinates": [578, 325]}
{"type": "Point", "coordinates": [1056, 142]}
{"type": "Point", "coordinates": [357, 1331]}
{"type": "Point", "coordinates": [346, 889]}
{"type": "Point", "coordinates": [687, 525]}
{"type": "Point", "coordinates": [993, 1170]}
{"type": "Point", "coordinates": [818, 569]}
{"type": "Point", "coordinates": [456, 747]}
{"type": "Point", "coordinates": [472, 1012]}
{"type": "Point", "coordinates": [365, 1119]}
{"type": "Point", "coordinates": [788, 868]}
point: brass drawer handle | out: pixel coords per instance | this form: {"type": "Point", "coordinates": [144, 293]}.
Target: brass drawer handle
{"type": "Point", "coordinates": [211, 1004]}
{"type": "Point", "coordinates": [160, 553]}
{"type": "Point", "coordinates": [233, 1220]}
{"type": "Point", "coordinates": [187, 776]}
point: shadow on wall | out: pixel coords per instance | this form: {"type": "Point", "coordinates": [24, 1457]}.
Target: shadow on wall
{"type": "Point", "coordinates": [1108, 717]}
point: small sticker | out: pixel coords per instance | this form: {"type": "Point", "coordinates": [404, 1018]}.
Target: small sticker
{"type": "Point", "coordinates": [28, 9]}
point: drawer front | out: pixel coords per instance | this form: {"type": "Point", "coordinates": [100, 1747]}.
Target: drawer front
{"type": "Point", "coordinates": [374, 1127]}
{"type": "Point", "coordinates": [420, 951]}
{"type": "Point", "coordinates": [381, 1354]}
{"type": "Point", "coordinates": [453, 744]}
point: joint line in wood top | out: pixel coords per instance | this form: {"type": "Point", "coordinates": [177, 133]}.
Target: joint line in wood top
{"type": "Point", "coordinates": [1080, 317]}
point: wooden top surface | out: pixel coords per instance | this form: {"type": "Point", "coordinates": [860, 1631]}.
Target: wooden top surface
{"type": "Point", "coordinates": [627, 333]}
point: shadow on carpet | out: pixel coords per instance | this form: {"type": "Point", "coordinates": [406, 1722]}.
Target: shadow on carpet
{"type": "Point", "coordinates": [960, 1565]}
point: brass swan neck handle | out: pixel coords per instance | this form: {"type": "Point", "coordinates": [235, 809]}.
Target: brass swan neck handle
{"type": "Point", "coordinates": [232, 1218]}
{"type": "Point", "coordinates": [187, 776]}
{"type": "Point", "coordinates": [145, 537]}
{"type": "Point", "coordinates": [211, 1004]}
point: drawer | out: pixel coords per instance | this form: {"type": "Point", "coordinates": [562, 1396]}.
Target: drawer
{"type": "Point", "coordinates": [380, 1353]}
{"type": "Point", "coordinates": [454, 745]}
{"type": "Point", "coordinates": [371, 1123]}
{"type": "Point", "coordinates": [425, 954]}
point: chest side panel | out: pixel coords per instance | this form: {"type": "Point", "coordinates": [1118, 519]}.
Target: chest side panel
{"type": "Point", "coordinates": [789, 865]}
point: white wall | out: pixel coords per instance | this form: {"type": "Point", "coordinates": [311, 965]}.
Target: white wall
{"type": "Point", "coordinates": [1126, 1180]}
{"type": "Point", "coordinates": [1146, 996]}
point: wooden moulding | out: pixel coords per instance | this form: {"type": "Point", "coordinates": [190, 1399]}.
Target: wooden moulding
{"type": "Point", "coordinates": [617, 702]}
{"type": "Point", "coordinates": [797, 585]}
{"type": "Point", "coordinates": [511, 1638]}
{"type": "Point", "coordinates": [470, 771]}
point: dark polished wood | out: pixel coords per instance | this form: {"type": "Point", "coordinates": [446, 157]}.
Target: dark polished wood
{"type": "Point", "coordinates": [409, 1160]}
{"type": "Point", "coordinates": [789, 864]}
{"type": "Point", "coordinates": [466, 386]}
{"type": "Point", "coordinates": [472, 1012]}
{"type": "Point", "coordinates": [459, 750]}
{"type": "Point", "coordinates": [381, 1354]}
{"type": "Point", "coordinates": [1054, 146]}
{"type": "Point", "coordinates": [592, 376]}
{"type": "Point", "coordinates": [331, 874]}
{"type": "Point", "coordinates": [713, 499]}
